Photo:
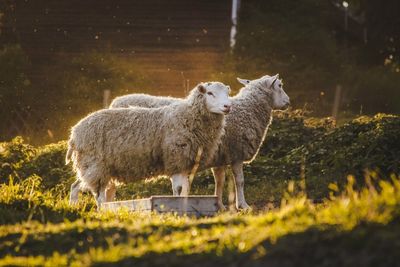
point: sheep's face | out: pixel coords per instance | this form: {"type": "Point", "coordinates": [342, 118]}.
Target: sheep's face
{"type": "Point", "coordinates": [275, 86]}
{"type": "Point", "coordinates": [216, 97]}
{"type": "Point", "coordinates": [280, 98]}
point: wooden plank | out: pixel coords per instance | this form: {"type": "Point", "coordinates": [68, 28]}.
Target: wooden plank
{"type": "Point", "coordinates": [191, 205]}
{"type": "Point", "coordinates": [131, 205]}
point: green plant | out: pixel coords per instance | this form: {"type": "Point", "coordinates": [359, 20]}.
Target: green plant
{"type": "Point", "coordinates": [340, 231]}
{"type": "Point", "coordinates": [49, 163]}
{"type": "Point", "coordinates": [296, 148]}
{"type": "Point", "coordinates": [13, 157]}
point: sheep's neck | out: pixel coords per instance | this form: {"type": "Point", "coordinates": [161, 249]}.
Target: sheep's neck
{"type": "Point", "coordinates": [260, 104]}
{"type": "Point", "coordinates": [207, 130]}
{"type": "Point", "coordinates": [207, 125]}
{"type": "Point", "coordinates": [254, 116]}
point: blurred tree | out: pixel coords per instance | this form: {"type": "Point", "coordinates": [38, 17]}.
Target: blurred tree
{"type": "Point", "coordinates": [382, 19]}
{"type": "Point", "coordinates": [15, 86]}
{"type": "Point", "coordinates": [383, 22]}
{"type": "Point", "coordinates": [302, 41]}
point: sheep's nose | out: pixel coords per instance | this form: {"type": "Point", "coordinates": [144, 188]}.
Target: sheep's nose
{"type": "Point", "coordinates": [227, 108]}
{"type": "Point", "coordinates": [287, 104]}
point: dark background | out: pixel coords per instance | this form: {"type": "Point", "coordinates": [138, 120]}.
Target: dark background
{"type": "Point", "coordinates": [58, 57]}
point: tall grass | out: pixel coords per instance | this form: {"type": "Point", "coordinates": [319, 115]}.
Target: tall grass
{"type": "Point", "coordinates": [352, 223]}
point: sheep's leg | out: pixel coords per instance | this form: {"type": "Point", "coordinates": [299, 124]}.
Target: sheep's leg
{"type": "Point", "coordinates": [110, 192]}
{"type": "Point", "coordinates": [185, 185]}
{"type": "Point", "coordinates": [176, 184]}
{"type": "Point", "coordinates": [237, 169]}
{"type": "Point", "coordinates": [96, 181]}
{"type": "Point", "coordinates": [180, 184]}
{"type": "Point", "coordinates": [219, 177]}
{"type": "Point", "coordinates": [100, 195]}
{"type": "Point", "coordinates": [73, 196]}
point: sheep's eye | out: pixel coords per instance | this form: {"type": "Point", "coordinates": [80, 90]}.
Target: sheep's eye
{"type": "Point", "coordinates": [209, 93]}
{"type": "Point", "coordinates": [280, 85]}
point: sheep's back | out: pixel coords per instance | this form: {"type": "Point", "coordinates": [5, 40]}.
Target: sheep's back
{"type": "Point", "coordinates": [126, 141]}
{"type": "Point", "coordinates": [143, 100]}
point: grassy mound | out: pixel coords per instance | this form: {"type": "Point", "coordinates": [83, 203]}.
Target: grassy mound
{"type": "Point", "coordinates": [309, 151]}
{"type": "Point", "coordinates": [355, 228]}
{"type": "Point", "coordinates": [324, 155]}
{"type": "Point", "coordinates": [357, 222]}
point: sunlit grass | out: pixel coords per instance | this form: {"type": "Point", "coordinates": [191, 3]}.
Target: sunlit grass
{"type": "Point", "coordinates": [102, 237]}
{"type": "Point", "coordinates": [306, 212]}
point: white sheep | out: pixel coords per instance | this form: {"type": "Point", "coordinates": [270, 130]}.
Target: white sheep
{"type": "Point", "coordinates": [127, 144]}
{"type": "Point", "coordinates": [143, 100]}
{"type": "Point", "coordinates": [245, 130]}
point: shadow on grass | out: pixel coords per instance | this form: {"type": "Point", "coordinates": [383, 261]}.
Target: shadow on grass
{"type": "Point", "coordinates": [78, 239]}
{"type": "Point", "coordinates": [365, 245]}
{"type": "Point", "coordinates": [81, 239]}
{"type": "Point", "coordinates": [22, 210]}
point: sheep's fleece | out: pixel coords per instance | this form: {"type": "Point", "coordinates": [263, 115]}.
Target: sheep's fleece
{"type": "Point", "coordinates": [127, 144]}
{"type": "Point", "coordinates": [245, 131]}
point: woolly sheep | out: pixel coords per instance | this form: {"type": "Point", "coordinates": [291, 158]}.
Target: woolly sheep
{"type": "Point", "coordinates": [143, 100]}
{"type": "Point", "coordinates": [245, 130]}
{"type": "Point", "coordinates": [127, 144]}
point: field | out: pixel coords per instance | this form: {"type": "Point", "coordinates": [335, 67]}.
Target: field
{"type": "Point", "coordinates": [322, 195]}
{"type": "Point", "coordinates": [323, 192]}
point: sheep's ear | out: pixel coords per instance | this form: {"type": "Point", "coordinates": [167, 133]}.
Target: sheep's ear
{"type": "Point", "coordinates": [243, 81]}
{"type": "Point", "coordinates": [274, 78]}
{"type": "Point", "coordinates": [201, 88]}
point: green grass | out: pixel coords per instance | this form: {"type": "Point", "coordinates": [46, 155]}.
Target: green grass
{"type": "Point", "coordinates": [354, 223]}
{"type": "Point", "coordinates": [297, 148]}
{"type": "Point", "coordinates": [352, 227]}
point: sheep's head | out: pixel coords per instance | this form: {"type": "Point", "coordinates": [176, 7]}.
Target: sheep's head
{"type": "Point", "coordinates": [216, 96]}
{"type": "Point", "coordinates": [273, 85]}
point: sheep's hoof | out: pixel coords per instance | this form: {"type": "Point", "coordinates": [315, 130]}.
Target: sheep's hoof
{"type": "Point", "coordinates": [98, 207]}
{"type": "Point", "coordinates": [221, 207]}
{"type": "Point", "coordinates": [73, 202]}
{"type": "Point", "coordinates": [244, 207]}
